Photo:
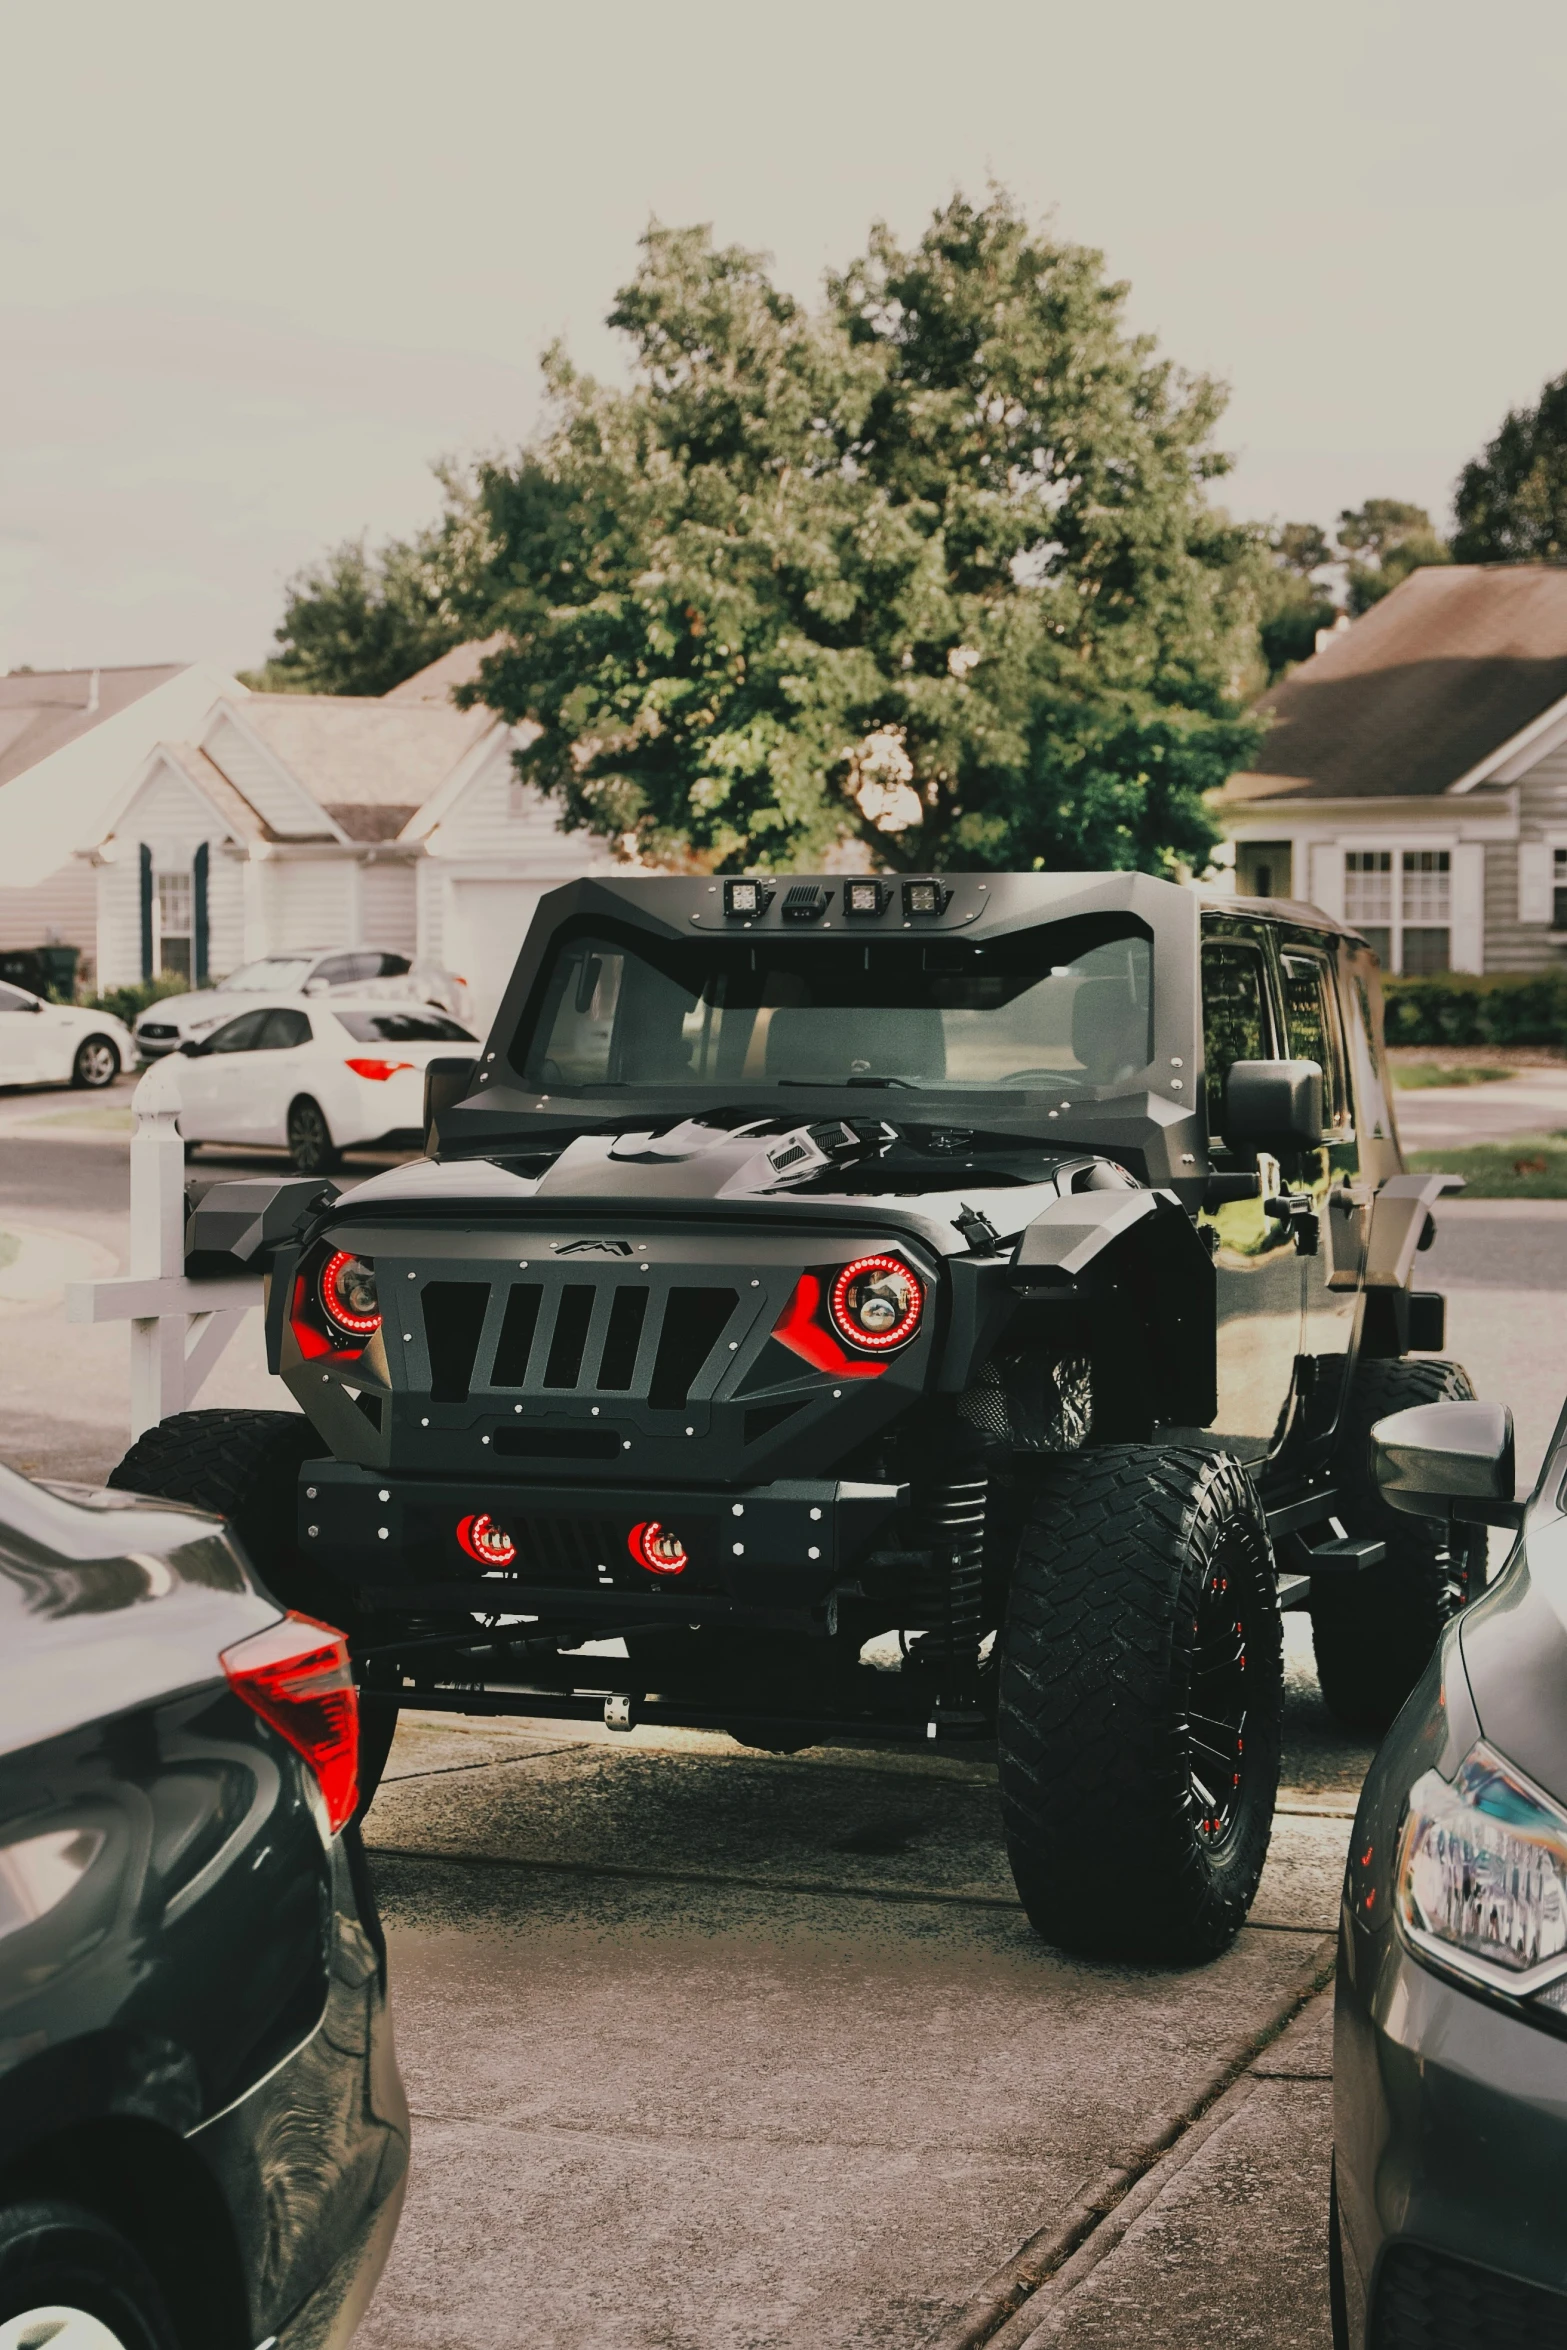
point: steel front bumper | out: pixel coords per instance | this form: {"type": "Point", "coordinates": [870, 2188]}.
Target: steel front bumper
{"type": "Point", "coordinates": [764, 1555]}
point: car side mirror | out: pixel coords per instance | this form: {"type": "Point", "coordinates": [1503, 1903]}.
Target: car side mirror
{"type": "Point", "coordinates": [316, 987]}
{"type": "Point", "coordinates": [1273, 1106]}
{"type": "Point", "coordinates": [1441, 1460]}
{"type": "Point", "coordinates": [192, 1047]}
{"type": "Point", "coordinates": [446, 1080]}
{"type": "Point", "coordinates": [34, 1004]}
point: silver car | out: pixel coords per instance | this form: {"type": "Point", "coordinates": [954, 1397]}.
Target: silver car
{"type": "Point", "coordinates": [164, 1026]}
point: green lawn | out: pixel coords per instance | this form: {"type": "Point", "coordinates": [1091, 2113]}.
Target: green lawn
{"type": "Point", "coordinates": [1529, 1167]}
{"type": "Point", "coordinates": [1411, 1076]}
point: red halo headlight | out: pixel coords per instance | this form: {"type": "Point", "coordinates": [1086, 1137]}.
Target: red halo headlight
{"type": "Point", "coordinates": [876, 1302]}
{"type": "Point", "coordinates": [348, 1294]}
{"type": "Point", "coordinates": [658, 1548]}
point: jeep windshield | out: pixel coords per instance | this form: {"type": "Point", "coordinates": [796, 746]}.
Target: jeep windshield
{"type": "Point", "coordinates": [1065, 1005]}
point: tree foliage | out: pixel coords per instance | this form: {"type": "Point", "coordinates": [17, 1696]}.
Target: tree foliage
{"type": "Point", "coordinates": [932, 564]}
{"type": "Point", "coordinates": [1383, 541]}
{"type": "Point", "coordinates": [1511, 501]}
{"type": "Point", "coordinates": [1293, 603]}
{"type": "Point", "coordinates": [359, 623]}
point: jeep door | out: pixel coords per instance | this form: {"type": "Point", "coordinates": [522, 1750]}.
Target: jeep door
{"type": "Point", "coordinates": [1333, 1176]}
{"type": "Point", "coordinates": [1260, 1284]}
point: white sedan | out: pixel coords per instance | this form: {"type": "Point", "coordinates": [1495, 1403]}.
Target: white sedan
{"type": "Point", "coordinates": [316, 1079]}
{"type": "Point", "coordinates": [59, 1044]}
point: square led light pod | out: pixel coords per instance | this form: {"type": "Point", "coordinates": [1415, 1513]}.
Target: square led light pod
{"type": "Point", "coordinates": [744, 900]}
{"type": "Point", "coordinates": [923, 899]}
{"type": "Point", "coordinates": [865, 897]}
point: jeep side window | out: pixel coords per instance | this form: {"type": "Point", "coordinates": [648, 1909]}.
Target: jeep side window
{"type": "Point", "coordinates": [1235, 1021]}
{"type": "Point", "coordinates": [1311, 1016]}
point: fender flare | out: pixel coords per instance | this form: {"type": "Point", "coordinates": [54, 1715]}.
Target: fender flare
{"type": "Point", "coordinates": [1139, 1249]}
{"type": "Point", "coordinates": [1398, 1218]}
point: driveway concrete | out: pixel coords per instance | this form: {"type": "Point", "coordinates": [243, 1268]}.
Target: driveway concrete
{"type": "Point", "coordinates": [1533, 1102]}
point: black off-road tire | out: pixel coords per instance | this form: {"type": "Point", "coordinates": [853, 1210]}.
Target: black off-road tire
{"type": "Point", "coordinates": [57, 2256]}
{"type": "Point", "coordinates": [1373, 1633]}
{"type": "Point", "coordinates": [97, 1063]}
{"type": "Point", "coordinates": [1130, 1561]}
{"type": "Point", "coordinates": [310, 1145]}
{"type": "Point", "coordinates": [245, 1467]}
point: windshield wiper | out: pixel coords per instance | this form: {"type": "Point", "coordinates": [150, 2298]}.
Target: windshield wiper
{"type": "Point", "coordinates": [911, 1083]}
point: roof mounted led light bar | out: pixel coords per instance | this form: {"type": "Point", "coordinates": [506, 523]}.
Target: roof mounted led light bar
{"type": "Point", "coordinates": [866, 897]}
{"type": "Point", "coordinates": [745, 900]}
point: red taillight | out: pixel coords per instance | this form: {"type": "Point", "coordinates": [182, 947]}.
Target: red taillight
{"type": "Point", "coordinates": [658, 1548]}
{"type": "Point", "coordinates": [876, 1302]}
{"type": "Point", "coordinates": [295, 1675]}
{"type": "Point", "coordinates": [380, 1070]}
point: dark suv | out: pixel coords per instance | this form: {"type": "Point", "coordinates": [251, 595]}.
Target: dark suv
{"type": "Point", "coordinates": [947, 1308]}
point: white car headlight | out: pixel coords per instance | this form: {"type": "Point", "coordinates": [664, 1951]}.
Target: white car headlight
{"type": "Point", "coordinates": [1482, 1877]}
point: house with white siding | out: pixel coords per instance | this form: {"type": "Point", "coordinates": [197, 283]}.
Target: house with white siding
{"type": "Point", "coordinates": [1413, 780]}
{"type": "Point", "coordinates": [308, 820]}
{"type": "Point", "coordinates": [68, 740]}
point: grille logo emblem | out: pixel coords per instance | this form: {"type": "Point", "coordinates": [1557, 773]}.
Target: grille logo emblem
{"type": "Point", "coordinates": [483, 1540]}
{"type": "Point", "coordinates": [590, 1248]}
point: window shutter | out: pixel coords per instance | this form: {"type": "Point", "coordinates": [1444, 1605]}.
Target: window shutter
{"type": "Point", "coordinates": [1467, 938]}
{"type": "Point", "coordinates": [145, 856]}
{"type": "Point", "coordinates": [1536, 862]}
{"type": "Point", "coordinates": [198, 915]}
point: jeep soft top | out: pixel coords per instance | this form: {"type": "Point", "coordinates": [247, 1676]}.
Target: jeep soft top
{"type": "Point", "coordinates": [938, 1308]}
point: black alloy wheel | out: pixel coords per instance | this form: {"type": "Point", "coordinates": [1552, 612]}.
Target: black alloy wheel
{"type": "Point", "coordinates": [1217, 1694]}
{"type": "Point", "coordinates": [310, 1144]}
{"type": "Point", "coordinates": [97, 1063]}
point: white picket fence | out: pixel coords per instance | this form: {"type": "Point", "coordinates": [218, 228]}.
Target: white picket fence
{"type": "Point", "coordinates": [178, 1327]}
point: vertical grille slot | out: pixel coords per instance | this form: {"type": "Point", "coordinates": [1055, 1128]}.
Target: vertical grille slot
{"type": "Point", "coordinates": [618, 1363]}
{"type": "Point", "coordinates": [569, 1336]}
{"type": "Point", "coordinates": [516, 1339]}
{"type": "Point", "coordinates": [694, 1322]}
{"type": "Point", "coordinates": [453, 1318]}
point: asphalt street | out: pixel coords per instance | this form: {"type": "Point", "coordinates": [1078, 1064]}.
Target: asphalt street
{"type": "Point", "coordinates": [711, 2050]}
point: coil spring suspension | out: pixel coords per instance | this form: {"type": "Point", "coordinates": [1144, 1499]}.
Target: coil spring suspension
{"type": "Point", "coordinates": [949, 1595]}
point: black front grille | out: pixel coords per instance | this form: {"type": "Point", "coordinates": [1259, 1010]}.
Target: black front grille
{"type": "Point", "coordinates": [574, 1337]}
{"type": "Point", "coordinates": [453, 1319]}
{"type": "Point", "coordinates": [1429, 2301]}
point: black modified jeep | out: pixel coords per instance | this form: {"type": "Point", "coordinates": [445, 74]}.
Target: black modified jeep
{"type": "Point", "coordinates": [931, 1309]}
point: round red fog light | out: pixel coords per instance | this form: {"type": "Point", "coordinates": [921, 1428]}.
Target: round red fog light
{"type": "Point", "coordinates": [658, 1548]}
{"type": "Point", "coordinates": [348, 1294]}
{"type": "Point", "coordinates": [876, 1302]}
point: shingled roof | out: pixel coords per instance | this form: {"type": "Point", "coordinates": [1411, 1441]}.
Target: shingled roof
{"type": "Point", "coordinates": [41, 710]}
{"type": "Point", "coordinates": [1432, 682]}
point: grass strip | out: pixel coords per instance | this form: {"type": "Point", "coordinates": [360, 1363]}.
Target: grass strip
{"type": "Point", "coordinates": [1530, 1166]}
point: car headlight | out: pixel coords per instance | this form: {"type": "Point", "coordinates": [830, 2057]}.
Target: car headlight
{"type": "Point", "coordinates": [1482, 1877]}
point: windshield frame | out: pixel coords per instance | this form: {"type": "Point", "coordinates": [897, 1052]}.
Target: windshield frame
{"type": "Point", "coordinates": [946, 1094]}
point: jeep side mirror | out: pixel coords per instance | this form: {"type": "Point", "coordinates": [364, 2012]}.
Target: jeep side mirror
{"type": "Point", "coordinates": [1441, 1460]}
{"type": "Point", "coordinates": [446, 1080]}
{"type": "Point", "coordinates": [1273, 1106]}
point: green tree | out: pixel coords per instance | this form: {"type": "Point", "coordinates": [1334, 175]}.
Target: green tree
{"type": "Point", "coordinates": [1293, 604]}
{"type": "Point", "coordinates": [1384, 541]}
{"type": "Point", "coordinates": [932, 564]}
{"type": "Point", "coordinates": [1511, 501]}
{"type": "Point", "coordinates": [359, 623]}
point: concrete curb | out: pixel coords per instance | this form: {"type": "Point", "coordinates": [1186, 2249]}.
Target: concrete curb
{"type": "Point", "coordinates": [1005, 2313]}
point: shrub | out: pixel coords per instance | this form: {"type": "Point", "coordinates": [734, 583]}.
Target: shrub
{"type": "Point", "coordinates": [125, 1002]}
{"type": "Point", "coordinates": [1462, 1008]}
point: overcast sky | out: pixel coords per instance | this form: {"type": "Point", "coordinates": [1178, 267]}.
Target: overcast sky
{"type": "Point", "coordinates": [258, 267]}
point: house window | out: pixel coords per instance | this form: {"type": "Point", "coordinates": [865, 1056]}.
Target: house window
{"type": "Point", "coordinates": [1559, 889]}
{"type": "Point", "coordinates": [175, 907]}
{"type": "Point", "coordinates": [1368, 899]}
{"type": "Point", "coordinates": [1427, 911]}
{"type": "Point", "coordinates": [1401, 902]}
